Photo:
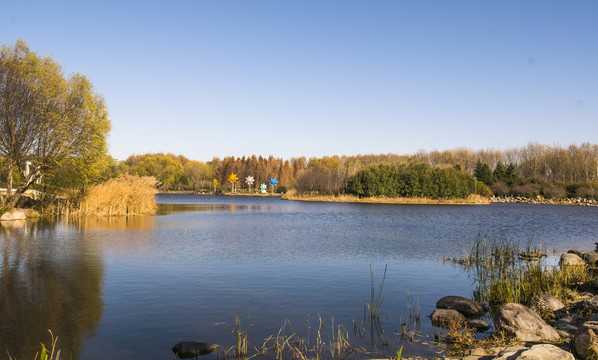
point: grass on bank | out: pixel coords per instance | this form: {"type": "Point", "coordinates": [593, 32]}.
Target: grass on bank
{"type": "Point", "coordinates": [505, 273]}
{"type": "Point", "coordinates": [470, 200]}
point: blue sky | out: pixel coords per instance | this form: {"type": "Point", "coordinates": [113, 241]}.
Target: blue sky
{"type": "Point", "coordinates": [315, 78]}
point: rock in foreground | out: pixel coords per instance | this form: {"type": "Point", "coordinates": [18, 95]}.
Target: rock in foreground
{"type": "Point", "coordinates": [523, 323]}
{"type": "Point", "coordinates": [585, 341]}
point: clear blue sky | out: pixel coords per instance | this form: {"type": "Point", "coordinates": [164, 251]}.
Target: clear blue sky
{"type": "Point", "coordinates": [315, 78]}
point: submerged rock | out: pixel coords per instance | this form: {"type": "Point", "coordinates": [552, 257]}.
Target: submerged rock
{"type": "Point", "coordinates": [469, 308]}
{"type": "Point", "coordinates": [523, 323]}
{"type": "Point", "coordinates": [191, 349]}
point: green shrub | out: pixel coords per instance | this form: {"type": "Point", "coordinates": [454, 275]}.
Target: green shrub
{"type": "Point", "coordinates": [411, 180]}
{"type": "Point", "coordinates": [483, 190]}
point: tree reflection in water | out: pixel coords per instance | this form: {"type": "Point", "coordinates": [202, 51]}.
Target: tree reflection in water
{"type": "Point", "coordinates": [47, 282]}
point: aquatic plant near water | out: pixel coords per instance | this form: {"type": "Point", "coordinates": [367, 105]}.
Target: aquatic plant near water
{"type": "Point", "coordinates": [47, 354]}
{"type": "Point", "coordinates": [124, 195]}
{"type": "Point", "coordinates": [502, 275]}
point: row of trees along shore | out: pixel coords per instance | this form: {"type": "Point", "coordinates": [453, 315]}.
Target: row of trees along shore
{"type": "Point", "coordinates": [53, 131]}
{"type": "Point", "coordinates": [554, 171]}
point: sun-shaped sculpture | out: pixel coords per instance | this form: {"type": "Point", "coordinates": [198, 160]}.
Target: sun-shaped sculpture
{"type": "Point", "coordinates": [233, 180]}
{"type": "Point", "coordinates": [263, 188]}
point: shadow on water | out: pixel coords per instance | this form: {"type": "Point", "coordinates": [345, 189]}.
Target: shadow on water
{"type": "Point", "coordinates": [44, 288]}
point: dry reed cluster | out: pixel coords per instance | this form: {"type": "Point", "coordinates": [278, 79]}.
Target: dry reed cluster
{"type": "Point", "coordinates": [124, 195]}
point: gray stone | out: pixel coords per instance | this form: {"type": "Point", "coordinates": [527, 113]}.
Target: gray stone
{"type": "Point", "coordinates": [478, 325]}
{"type": "Point", "coordinates": [16, 214]}
{"type": "Point", "coordinates": [443, 317]}
{"type": "Point", "coordinates": [545, 352]}
{"type": "Point", "coordinates": [467, 307]}
{"type": "Point", "coordinates": [585, 341]}
{"type": "Point", "coordinates": [551, 302]}
{"type": "Point", "coordinates": [523, 323]}
{"type": "Point", "coordinates": [590, 258]}
{"type": "Point", "coordinates": [571, 260]}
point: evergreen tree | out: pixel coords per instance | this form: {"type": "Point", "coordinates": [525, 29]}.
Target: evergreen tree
{"type": "Point", "coordinates": [511, 175]}
{"type": "Point", "coordinates": [499, 172]}
{"type": "Point", "coordinates": [483, 173]}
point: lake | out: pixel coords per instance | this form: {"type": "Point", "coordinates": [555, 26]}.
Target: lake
{"type": "Point", "coordinates": [129, 288]}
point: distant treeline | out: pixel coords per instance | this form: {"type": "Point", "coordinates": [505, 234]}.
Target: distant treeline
{"type": "Point", "coordinates": [551, 171]}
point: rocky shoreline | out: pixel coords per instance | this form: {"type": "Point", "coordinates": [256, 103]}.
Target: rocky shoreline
{"type": "Point", "coordinates": [564, 331]}
{"type": "Point", "coordinates": [541, 200]}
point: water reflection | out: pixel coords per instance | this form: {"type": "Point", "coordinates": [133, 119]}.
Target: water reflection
{"type": "Point", "coordinates": [111, 222]}
{"type": "Point", "coordinates": [45, 286]}
{"type": "Point", "coordinates": [166, 209]}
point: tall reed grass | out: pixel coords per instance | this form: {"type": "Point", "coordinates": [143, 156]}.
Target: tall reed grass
{"type": "Point", "coordinates": [124, 195]}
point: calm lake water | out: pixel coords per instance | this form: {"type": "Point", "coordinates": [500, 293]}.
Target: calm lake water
{"type": "Point", "coordinates": [130, 288]}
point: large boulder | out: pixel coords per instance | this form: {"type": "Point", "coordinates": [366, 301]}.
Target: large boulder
{"type": "Point", "coordinates": [585, 341]}
{"type": "Point", "coordinates": [16, 214]}
{"type": "Point", "coordinates": [469, 308]}
{"type": "Point", "coordinates": [444, 317]}
{"type": "Point", "coordinates": [523, 323]}
{"type": "Point", "coordinates": [545, 351]}
{"type": "Point", "coordinates": [569, 259]}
